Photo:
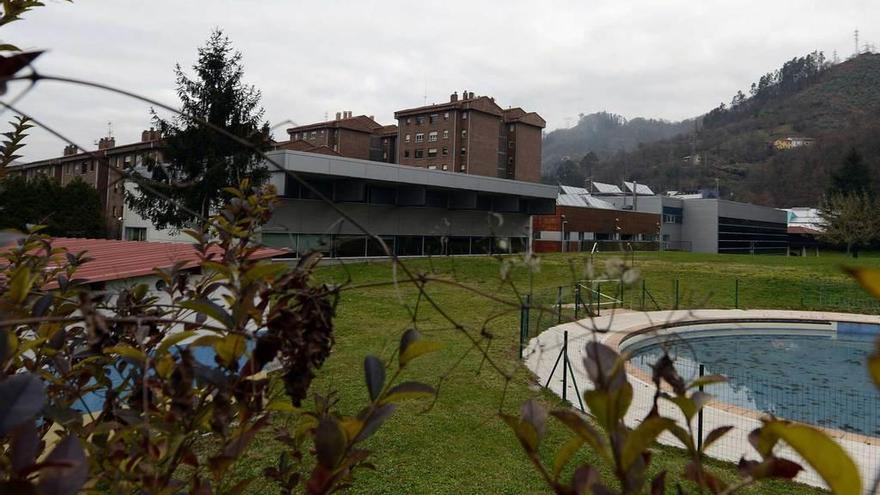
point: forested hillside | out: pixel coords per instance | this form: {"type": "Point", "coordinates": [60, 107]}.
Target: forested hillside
{"type": "Point", "coordinates": [605, 133]}
{"type": "Point", "coordinates": [838, 106]}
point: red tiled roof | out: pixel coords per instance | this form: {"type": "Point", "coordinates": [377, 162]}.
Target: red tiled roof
{"type": "Point", "coordinates": [119, 260]}
{"type": "Point", "coordinates": [360, 123]}
{"type": "Point", "coordinates": [300, 145]}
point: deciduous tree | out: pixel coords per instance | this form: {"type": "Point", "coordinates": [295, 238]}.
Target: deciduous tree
{"type": "Point", "coordinates": [850, 220]}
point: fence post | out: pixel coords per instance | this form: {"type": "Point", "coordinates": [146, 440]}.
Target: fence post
{"type": "Point", "coordinates": [559, 304]}
{"type": "Point", "coordinates": [700, 417]}
{"type": "Point", "coordinates": [643, 294]}
{"type": "Point", "coordinates": [565, 367]}
{"type": "Point", "coordinates": [598, 298]}
{"type": "Point", "coordinates": [675, 290]}
{"type": "Point", "coordinates": [524, 324]}
{"type": "Point", "coordinates": [736, 294]}
{"type": "Point", "coordinates": [577, 299]}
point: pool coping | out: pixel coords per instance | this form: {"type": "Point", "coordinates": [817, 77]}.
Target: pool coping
{"type": "Point", "coordinates": [614, 330]}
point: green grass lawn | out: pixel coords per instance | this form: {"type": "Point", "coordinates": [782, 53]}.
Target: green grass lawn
{"type": "Point", "coordinates": [460, 445]}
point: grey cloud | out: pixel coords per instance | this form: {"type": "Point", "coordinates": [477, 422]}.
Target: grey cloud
{"type": "Point", "coordinates": [673, 59]}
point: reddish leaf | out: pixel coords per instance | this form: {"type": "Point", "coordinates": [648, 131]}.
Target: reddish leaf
{"type": "Point", "coordinates": [21, 397]}
{"type": "Point", "coordinates": [658, 484]}
{"type": "Point", "coordinates": [329, 442]}
{"type": "Point", "coordinates": [69, 479]}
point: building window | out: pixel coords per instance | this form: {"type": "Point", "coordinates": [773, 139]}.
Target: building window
{"type": "Point", "coordinates": [314, 134]}
{"type": "Point", "coordinates": [510, 144]}
{"type": "Point", "coordinates": [463, 133]}
{"type": "Point", "coordinates": [446, 116]}
{"type": "Point", "coordinates": [433, 118]}
{"type": "Point", "coordinates": [408, 121]}
{"type": "Point", "coordinates": [463, 150]}
{"type": "Point", "coordinates": [432, 136]}
{"type": "Point", "coordinates": [420, 137]}
{"type": "Point", "coordinates": [463, 115]}
{"type": "Point", "coordinates": [445, 151]}
{"type": "Point", "coordinates": [445, 133]}
{"type": "Point", "coordinates": [432, 152]}
{"type": "Point", "coordinates": [84, 167]}
{"type": "Point", "coordinates": [420, 153]}
{"type": "Point", "coordinates": [510, 128]}
{"type": "Point", "coordinates": [406, 153]}
{"type": "Point", "coordinates": [406, 138]}
{"type": "Point", "coordinates": [420, 120]}
{"type": "Point", "coordinates": [296, 136]}
{"type": "Point", "coordinates": [92, 166]}
{"type": "Point", "coordinates": [135, 233]}
{"type": "Point", "coordinates": [510, 160]}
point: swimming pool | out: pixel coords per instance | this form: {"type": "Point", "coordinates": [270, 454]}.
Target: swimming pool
{"type": "Point", "coordinates": [813, 376]}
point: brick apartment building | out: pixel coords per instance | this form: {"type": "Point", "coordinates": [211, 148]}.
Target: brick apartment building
{"type": "Point", "coordinates": [102, 170]}
{"type": "Point", "coordinates": [349, 136]}
{"type": "Point", "coordinates": [471, 135]}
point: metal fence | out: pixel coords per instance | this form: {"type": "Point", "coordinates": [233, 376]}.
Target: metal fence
{"type": "Point", "coordinates": [851, 417]}
{"type": "Point", "coordinates": [548, 307]}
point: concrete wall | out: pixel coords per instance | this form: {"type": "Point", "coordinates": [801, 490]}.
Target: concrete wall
{"type": "Point", "coordinates": [700, 225]}
{"type": "Point", "coordinates": [132, 219]}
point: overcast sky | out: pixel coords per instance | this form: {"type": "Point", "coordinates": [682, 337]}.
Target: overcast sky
{"type": "Point", "coordinates": [668, 59]}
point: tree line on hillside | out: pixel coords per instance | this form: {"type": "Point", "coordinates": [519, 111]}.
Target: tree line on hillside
{"type": "Point", "coordinates": [604, 134]}
{"type": "Point", "coordinates": [793, 76]}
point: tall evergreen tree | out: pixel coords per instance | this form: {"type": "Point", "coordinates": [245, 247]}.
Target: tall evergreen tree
{"type": "Point", "coordinates": [853, 177]}
{"type": "Point", "coordinates": [198, 162]}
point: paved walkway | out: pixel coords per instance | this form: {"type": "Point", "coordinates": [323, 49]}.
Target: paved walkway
{"type": "Point", "coordinates": [543, 350]}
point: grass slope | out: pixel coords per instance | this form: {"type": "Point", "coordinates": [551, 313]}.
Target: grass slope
{"type": "Point", "coordinates": [460, 446]}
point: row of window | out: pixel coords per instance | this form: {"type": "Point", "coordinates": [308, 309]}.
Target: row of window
{"type": "Point", "coordinates": [432, 118]}
{"type": "Point", "coordinates": [116, 162]}
{"type": "Point", "coordinates": [432, 136]}
{"type": "Point", "coordinates": [431, 152]}
{"type": "Point", "coordinates": [358, 246]}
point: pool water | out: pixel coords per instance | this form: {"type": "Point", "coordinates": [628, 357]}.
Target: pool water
{"type": "Point", "coordinates": [94, 402]}
{"type": "Point", "coordinates": [822, 380]}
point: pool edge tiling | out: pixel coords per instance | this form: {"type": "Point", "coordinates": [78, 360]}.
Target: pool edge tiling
{"type": "Point", "coordinates": [614, 329]}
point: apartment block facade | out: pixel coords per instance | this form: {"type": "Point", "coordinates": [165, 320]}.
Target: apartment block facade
{"type": "Point", "coordinates": [350, 136]}
{"type": "Point", "coordinates": [102, 169]}
{"type": "Point", "coordinates": [471, 135]}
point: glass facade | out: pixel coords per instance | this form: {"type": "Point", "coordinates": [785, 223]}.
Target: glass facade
{"type": "Point", "coordinates": [736, 235]}
{"type": "Point", "coordinates": [359, 246]}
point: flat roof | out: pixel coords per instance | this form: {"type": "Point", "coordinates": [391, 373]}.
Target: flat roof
{"type": "Point", "coordinates": [350, 168]}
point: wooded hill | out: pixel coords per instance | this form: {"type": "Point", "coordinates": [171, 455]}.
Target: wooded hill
{"type": "Point", "coordinates": [838, 106]}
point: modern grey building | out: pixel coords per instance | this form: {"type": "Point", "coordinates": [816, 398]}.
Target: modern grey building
{"type": "Point", "coordinates": [416, 211]}
{"type": "Point", "coordinates": [706, 225]}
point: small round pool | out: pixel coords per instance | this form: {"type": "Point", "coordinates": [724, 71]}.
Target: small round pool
{"type": "Point", "coordinates": [813, 376]}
